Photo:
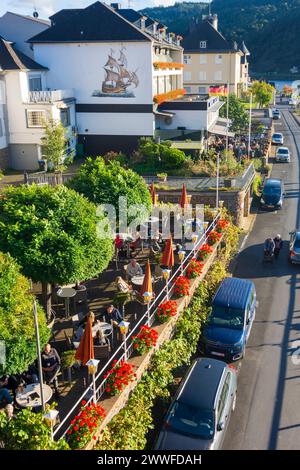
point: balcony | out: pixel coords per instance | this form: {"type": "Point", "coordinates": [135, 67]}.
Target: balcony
{"type": "Point", "coordinates": [49, 96]}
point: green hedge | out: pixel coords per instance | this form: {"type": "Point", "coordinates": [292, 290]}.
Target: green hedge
{"type": "Point", "coordinates": [129, 428]}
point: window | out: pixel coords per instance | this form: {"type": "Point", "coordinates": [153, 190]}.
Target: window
{"type": "Point", "coordinates": [65, 116]}
{"type": "Point", "coordinates": [35, 118]}
{"type": "Point", "coordinates": [218, 59]}
{"type": "Point", "coordinates": [187, 76]}
{"type": "Point", "coordinates": [202, 90]}
{"type": "Point", "coordinates": [202, 76]}
{"type": "Point", "coordinates": [218, 75]}
{"type": "Point", "coordinates": [203, 44]}
{"type": "Point", "coordinates": [223, 398]}
{"type": "Point", "coordinates": [203, 59]}
{"type": "Point", "coordinates": [188, 89]}
{"type": "Point", "coordinates": [1, 128]}
{"type": "Point", "coordinates": [35, 83]}
{"type": "Point", "coordinates": [187, 59]}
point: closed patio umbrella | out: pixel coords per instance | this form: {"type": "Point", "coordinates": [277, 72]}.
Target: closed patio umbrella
{"type": "Point", "coordinates": [85, 350]}
{"type": "Point", "coordinates": [184, 197]}
{"type": "Point", "coordinates": [168, 254]}
{"type": "Point", "coordinates": [153, 194]}
{"type": "Point", "coordinates": [147, 283]}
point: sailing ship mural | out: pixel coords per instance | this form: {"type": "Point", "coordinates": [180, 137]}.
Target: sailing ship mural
{"type": "Point", "coordinates": [118, 81]}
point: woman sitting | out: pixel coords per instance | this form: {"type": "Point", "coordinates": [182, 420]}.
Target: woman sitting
{"type": "Point", "coordinates": [123, 286]}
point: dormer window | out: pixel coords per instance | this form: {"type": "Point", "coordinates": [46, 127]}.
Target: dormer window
{"type": "Point", "coordinates": [203, 44]}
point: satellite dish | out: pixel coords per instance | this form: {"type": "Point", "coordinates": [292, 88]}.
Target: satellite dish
{"type": "Point", "coordinates": [35, 14]}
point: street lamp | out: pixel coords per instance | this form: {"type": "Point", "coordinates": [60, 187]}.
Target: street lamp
{"type": "Point", "coordinates": [124, 325]}
{"type": "Point", "coordinates": [92, 369]}
{"type": "Point", "coordinates": [147, 299]}
{"type": "Point", "coordinates": [181, 256]}
{"type": "Point", "coordinates": [38, 350]}
{"type": "Point", "coordinates": [166, 275]}
{"type": "Point", "coordinates": [51, 417]}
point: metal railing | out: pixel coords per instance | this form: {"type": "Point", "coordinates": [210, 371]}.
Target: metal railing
{"type": "Point", "coordinates": [126, 349]}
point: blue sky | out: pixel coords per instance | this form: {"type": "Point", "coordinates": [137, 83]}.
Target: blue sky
{"type": "Point", "coordinates": [47, 7]}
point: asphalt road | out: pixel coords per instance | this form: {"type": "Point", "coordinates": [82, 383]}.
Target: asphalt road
{"type": "Point", "coordinates": [267, 414]}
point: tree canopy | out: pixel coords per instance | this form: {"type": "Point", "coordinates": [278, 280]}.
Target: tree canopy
{"type": "Point", "coordinates": [262, 92]}
{"type": "Point", "coordinates": [104, 183]}
{"type": "Point", "coordinates": [54, 143]}
{"type": "Point", "coordinates": [237, 113]}
{"type": "Point", "coordinates": [16, 318]}
{"type": "Point", "coordinates": [52, 233]}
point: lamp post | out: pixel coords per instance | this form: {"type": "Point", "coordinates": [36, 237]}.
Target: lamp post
{"type": "Point", "coordinates": [51, 418]}
{"type": "Point", "coordinates": [166, 275]}
{"type": "Point", "coordinates": [92, 368]}
{"type": "Point", "coordinates": [250, 124]}
{"type": "Point", "coordinates": [181, 255]}
{"type": "Point", "coordinates": [218, 180]}
{"type": "Point", "coordinates": [124, 325]}
{"type": "Point", "coordinates": [227, 114]}
{"type": "Point", "coordinates": [38, 350]}
{"type": "Point", "coordinates": [147, 299]}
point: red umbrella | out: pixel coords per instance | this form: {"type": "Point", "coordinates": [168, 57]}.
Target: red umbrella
{"type": "Point", "coordinates": [147, 283]}
{"type": "Point", "coordinates": [153, 194]}
{"type": "Point", "coordinates": [168, 254]}
{"type": "Point", "coordinates": [184, 197]}
{"type": "Point", "coordinates": [85, 351]}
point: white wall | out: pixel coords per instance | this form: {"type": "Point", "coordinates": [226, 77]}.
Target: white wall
{"type": "Point", "coordinates": [18, 29]}
{"type": "Point", "coordinates": [3, 139]}
{"type": "Point", "coordinates": [192, 120]}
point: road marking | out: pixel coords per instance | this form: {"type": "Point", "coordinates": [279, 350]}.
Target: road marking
{"type": "Point", "coordinates": [244, 242]}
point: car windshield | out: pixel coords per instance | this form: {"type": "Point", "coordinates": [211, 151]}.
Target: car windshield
{"type": "Point", "coordinates": [277, 136]}
{"type": "Point", "coordinates": [271, 190]}
{"type": "Point", "coordinates": [285, 151]}
{"type": "Point", "coordinates": [227, 317]}
{"type": "Point", "coordinates": [191, 420]}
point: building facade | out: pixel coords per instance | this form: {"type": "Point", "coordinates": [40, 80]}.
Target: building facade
{"type": "Point", "coordinates": [211, 62]}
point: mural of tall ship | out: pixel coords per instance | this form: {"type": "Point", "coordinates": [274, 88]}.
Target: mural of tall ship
{"type": "Point", "coordinates": [118, 81]}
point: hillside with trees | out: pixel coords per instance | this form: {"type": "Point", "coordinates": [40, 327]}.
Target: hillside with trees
{"type": "Point", "coordinates": [267, 27]}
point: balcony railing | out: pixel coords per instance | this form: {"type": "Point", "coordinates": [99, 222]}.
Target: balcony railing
{"type": "Point", "coordinates": [49, 96]}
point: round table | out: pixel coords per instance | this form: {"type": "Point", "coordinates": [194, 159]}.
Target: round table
{"type": "Point", "coordinates": [26, 400]}
{"type": "Point", "coordinates": [66, 293]}
{"type": "Point", "coordinates": [138, 280]}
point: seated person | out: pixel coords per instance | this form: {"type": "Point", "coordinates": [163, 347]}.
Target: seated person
{"type": "Point", "coordinates": [101, 339]}
{"type": "Point", "coordinates": [30, 376]}
{"type": "Point", "coordinates": [137, 243]}
{"type": "Point", "coordinates": [122, 285]}
{"type": "Point", "coordinates": [134, 269]}
{"type": "Point", "coordinates": [50, 366]}
{"type": "Point", "coordinates": [9, 410]}
{"type": "Point", "coordinates": [5, 396]}
{"type": "Point", "coordinates": [112, 315]}
{"type": "Point", "coordinates": [119, 242]}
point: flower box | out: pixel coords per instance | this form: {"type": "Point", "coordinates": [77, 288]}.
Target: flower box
{"type": "Point", "coordinates": [204, 251]}
{"type": "Point", "coordinates": [213, 237]}
{"type": "Point", "coordinates": [145, 340]}
{"type": "Point", "coordinates": [166, 310]}
{"type": "Point", "coordinates": [121, 375]}
{"type": "Point", "coordinates": [171, 95]}
{"type": "Point", "coordinates": [84, 425]}
{"type": "Point", "coordinates": [194, 269]}
{"type": "Point", "coordinates": [182, 286]}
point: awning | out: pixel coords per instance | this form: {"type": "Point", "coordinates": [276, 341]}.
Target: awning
{"type": "Point", "coordinates": [220, 128]}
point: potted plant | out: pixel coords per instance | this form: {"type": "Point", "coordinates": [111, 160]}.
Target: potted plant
{"type": "Point", "coordinates": [204, 251]}
{"type": "Point", "coordinates": [84, 425]}
{"type": "Point", "coordinates": [166, 310]}
{"type": "Point", "coordinates": [213, 237]}
{"type": "Point", "coordinates": [145, 339]}
{"type": "Point", "coordinates": [121, 375]}
{"type": "Point", "coordinates": [67, 362]}
{"type": "Point", "coordinates": [162, 177]}
{"type": "Point", "coordinates": [221, 225]}
{"type": "Point", "coordinates": [194, 269]}
{"type": "Point", "coordinates": [182, 286]}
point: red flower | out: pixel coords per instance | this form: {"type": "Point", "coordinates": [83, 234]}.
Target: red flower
{"type": "Point", "coordinates": [194, 268]}
{"type": "Point", "coordinates": [182, 286]}
{"type": "Point", "coordinates": [204, 251]}
{"type": "Point", "coordinates": [166, 310]}
{"type": "Point", "coordinates": [119, 376]}
{"type": "Point", "coordinates": [213, 237]}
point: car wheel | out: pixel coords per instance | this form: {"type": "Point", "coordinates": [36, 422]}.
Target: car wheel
{"type": "Point", "coordinates": [233, 403]}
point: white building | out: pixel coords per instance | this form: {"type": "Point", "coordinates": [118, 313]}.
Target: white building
{"type": "Point", "coordinates": [3, 126]}
{"type": "Point", "coordinates": [29, 102]}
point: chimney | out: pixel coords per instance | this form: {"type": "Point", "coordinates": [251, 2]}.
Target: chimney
{"type": "Point", "coordinates": [213, 19]}
{"type": "Point", "coordinates": [116, 6]}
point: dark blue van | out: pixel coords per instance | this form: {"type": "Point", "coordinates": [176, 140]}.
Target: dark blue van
{"type": "Point", "coordinates": [228, 327]}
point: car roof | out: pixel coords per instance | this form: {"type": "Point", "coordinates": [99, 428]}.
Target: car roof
{"type": "Point", "coordinates": [272, 182]}
{"type": "Point", "coordinates": [233, 292]}
{"type": "Point", "coordinates": [282, 148]}
{"type": "Point", "coordinates": [202, 383]}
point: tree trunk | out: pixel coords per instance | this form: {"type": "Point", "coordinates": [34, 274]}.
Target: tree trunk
{"type": "Point", "coordinates": [46, 289]}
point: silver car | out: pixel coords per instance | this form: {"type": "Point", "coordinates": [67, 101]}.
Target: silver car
{"type": "Point", "coordinates": [294, 254]}
{"type": "Point", "coordinates": [277, 138]}
{"type": "Point", "coordinates": [200, 412]}
{"type": "Point", "coordinates": [283, 155]}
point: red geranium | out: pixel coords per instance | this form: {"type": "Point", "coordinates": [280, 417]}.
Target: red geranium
{"type": "Point", "coordinates": [194, 269]}
{"type": "Point", "coordinates": [221, 225]}
{"type": "Point", "coordinates": [182, 286]}
{"type": "Point", "coordinates": [166, 310]}
{"type": "Point", "coordinates": [119, 377]}
{"type": "Point", "coordinates": [84, 425]}
{"type": "Point", "coordinates": [204, 251]}
{"type": "Point", "coordinates": [213, 237]}
{"type": "Point", "coordinates": [145, 339]}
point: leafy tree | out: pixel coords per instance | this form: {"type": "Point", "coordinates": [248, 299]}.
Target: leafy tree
{"type": "Point", "coordinates": [55, 145]}
{"type": "Point", "coordinates": [263, 93]}
{"type": "Point", "coordinates": [104, 183]}
{"type": "Point", "coordinates": [160, 156]}
{"type": "Point", "coordinates": [17, 328]}
{"type": "Point", "coordinates": [52, 233]}
{"type": "Point", "coordinates": [237, 113]}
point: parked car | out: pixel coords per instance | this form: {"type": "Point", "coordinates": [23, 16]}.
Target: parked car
{"type": "Point", "coordinates": [276, 114]}
{"type": "Point", "coordinates": [277, 138]}
{"type": "Point", "coordinates": [200, 411]}
{"type": "Point", "coordinates": [283, 155]}
{"type": "Point", "coordinates": [229, 324]}
{"type": "Point", "coordinates": [294, 254]}
{"type": "Point", "coordinates": [272, 194]}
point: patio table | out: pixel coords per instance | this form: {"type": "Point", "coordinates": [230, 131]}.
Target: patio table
{"type": "Point", "coordinates": [31, 397]}
{"type": "Point", "coordinates": [66, 293]}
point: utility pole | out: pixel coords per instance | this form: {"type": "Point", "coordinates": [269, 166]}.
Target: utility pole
{"type": "Point", "coordinates": [227, 117]}
{"type": "Point", "coordinates": [250, 124]}
{"type": "Point", "coordinates": [38, 350]}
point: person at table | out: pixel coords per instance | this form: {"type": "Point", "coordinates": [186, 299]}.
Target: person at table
{"type": "Point", "coordinates": [123, 286]}
{"type": "Point", "coordinates": [136, 244]}
{"type": "Point", "coordinates": [134, 269]}
{"type": "Point", "coordinates": [112, 315]}
{"type": "Point", "coordinates": [50, 366]}
{"type": "Point", "coordinates": [5, 396]}
{"type": "Point", "coordinates": [9, 410]}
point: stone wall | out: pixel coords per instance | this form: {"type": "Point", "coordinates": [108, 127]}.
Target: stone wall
{"type": "Point", "coordinates": [4, 158]}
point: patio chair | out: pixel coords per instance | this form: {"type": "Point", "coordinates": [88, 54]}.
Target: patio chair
{"type": "Point", "coordinates": [102, 351]}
